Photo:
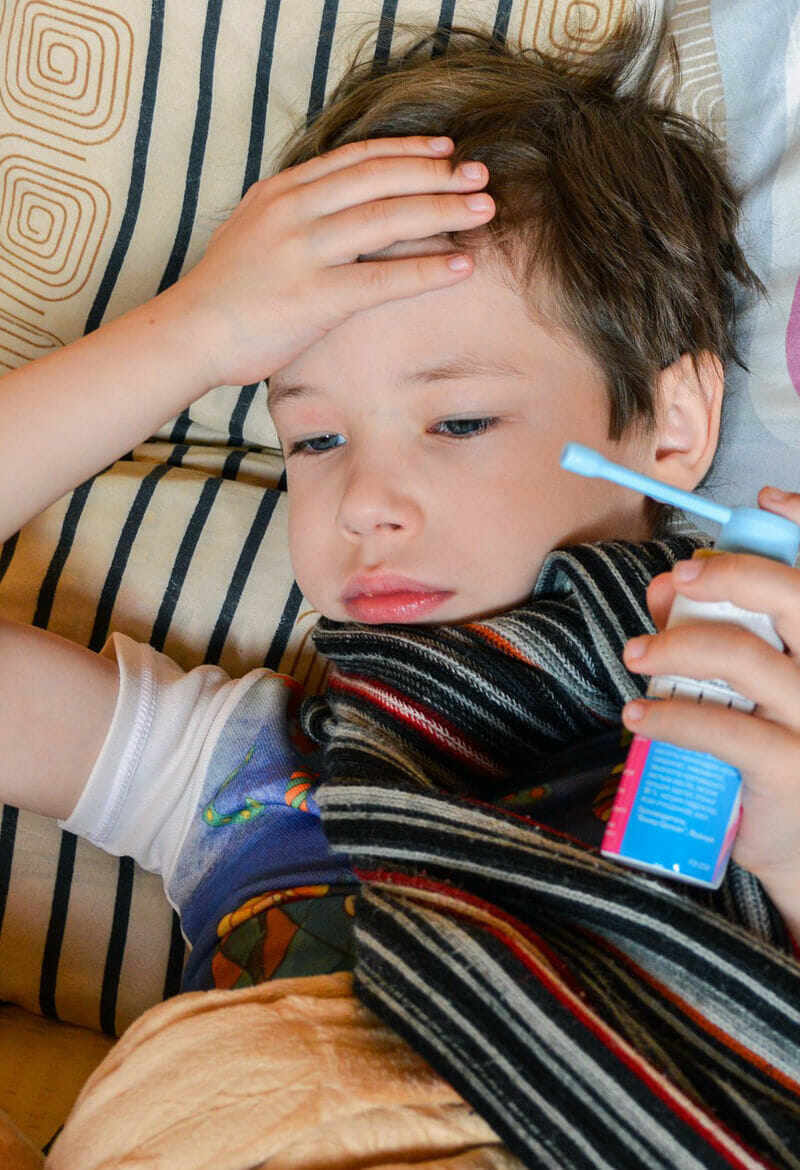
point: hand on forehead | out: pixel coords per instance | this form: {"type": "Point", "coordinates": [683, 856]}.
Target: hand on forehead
{"type": "Point", "coordinates": [429, 246]}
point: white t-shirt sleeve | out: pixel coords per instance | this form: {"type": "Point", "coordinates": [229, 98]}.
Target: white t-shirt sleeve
{"type": "Point", "coordinates": [147, 780]}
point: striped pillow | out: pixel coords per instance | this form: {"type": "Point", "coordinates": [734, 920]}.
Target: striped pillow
{"type": "Point", "coordinates": [126, 131]}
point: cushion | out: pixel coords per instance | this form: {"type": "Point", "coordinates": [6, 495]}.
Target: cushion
{"type": "Point", "coordinates": [759, 63]}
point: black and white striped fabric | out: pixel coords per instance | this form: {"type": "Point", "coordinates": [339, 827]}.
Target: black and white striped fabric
{"type": "Point", "coordinates": [595, 1017]}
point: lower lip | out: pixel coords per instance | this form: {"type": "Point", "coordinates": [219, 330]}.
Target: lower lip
{"type": "Point", "coordinates": [402, 606]}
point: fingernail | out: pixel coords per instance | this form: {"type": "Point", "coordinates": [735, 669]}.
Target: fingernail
{"type": "Point", "coordinates": [478, 202]}
{"type": "Point", "coordinates": [687, 570]}
{"type": "Point", "coordinates": [458, 263]}
{"type": "Point", "coordinates": [440, 144]}
{"type": "Point", "coordinates": [775, 494]}
{"type": "Point", "coordinates": [633, 712]}
{"type": "Point", "coordinates": [473, 170]}
{"type": "Point", "coordinates": [636, 648]}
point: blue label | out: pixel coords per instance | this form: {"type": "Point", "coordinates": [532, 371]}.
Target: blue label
{"type": "Point", "coordinates": [682, 810]}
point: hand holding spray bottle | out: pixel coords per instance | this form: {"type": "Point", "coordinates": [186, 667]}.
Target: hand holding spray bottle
{"type": "Point", "coordinates": [677, 811]}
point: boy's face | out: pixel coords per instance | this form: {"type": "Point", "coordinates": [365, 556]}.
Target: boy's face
{"type": "Point", "coordinates": [422, 443]}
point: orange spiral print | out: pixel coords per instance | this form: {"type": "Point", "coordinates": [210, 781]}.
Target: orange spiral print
{"type": "Point", "coordinates": [297, 790]}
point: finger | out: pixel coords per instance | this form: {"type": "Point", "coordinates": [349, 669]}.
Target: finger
{"type": "Point", "coordinates": [740, 740]}
{"type": "Point", "coordinates": [783, 503]}
{"type": "Point", "coordinates": [765, 756]}
{"type": "Point", "coordinates": [374, 283]}
{"type": "Point", "coordinates": [370, 227]}
{"type": "Point", "coordinates": [750, 582]}
{"type": "Point", "coordinates": [383, 178]}
{"type": "Point", "coordinates": [660, 596]}
{"type": "Point", "coordinates": [352, 153]}
{"type": "Point", "coordinates": [719, 650]}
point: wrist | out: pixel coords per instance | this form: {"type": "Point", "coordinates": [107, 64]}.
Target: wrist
{"type": "Point", "coordinates": [178, 327]}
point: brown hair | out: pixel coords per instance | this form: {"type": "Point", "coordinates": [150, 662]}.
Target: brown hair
{"type": "Point", "coordinates": [621, 203]}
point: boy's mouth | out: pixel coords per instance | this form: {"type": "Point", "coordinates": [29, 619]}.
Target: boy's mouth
{"type": "Point", "coordinates": [390, 598]}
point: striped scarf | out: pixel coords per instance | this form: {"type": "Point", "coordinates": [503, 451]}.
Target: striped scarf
{"type": "Point", "coordinates": [595, 1016]}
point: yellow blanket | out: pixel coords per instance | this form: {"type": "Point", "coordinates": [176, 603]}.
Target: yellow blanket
{"type": "Point", "coordinates": [287, 1075]}
{"type": "Point", "coordinates": [16, 1152]}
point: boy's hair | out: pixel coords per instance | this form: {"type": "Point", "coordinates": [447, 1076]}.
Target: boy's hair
{"type": "Point", "coordinates": [622, 205]}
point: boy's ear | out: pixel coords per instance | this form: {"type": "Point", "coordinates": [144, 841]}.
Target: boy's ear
{"type": "Point", "coordinates": [689, 402]}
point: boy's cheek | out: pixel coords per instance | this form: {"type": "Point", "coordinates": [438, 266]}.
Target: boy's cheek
{"type": "Point", "coordinates": [300, 553]}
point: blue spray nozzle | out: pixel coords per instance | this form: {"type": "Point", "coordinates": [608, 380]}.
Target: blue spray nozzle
{"type": "Point", "coordinates": [742, 529]}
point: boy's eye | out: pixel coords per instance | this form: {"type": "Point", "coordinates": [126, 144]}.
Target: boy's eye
{"type": "Point", "coordinates": [317, 445]}
{"type": "Point", "coordinates": [463, 428]}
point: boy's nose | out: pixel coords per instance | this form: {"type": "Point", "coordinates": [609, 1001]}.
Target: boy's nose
{"type": "Point", "coordinates": [375, 500]}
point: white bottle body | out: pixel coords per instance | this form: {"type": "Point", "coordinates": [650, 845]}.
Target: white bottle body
{"type": "Point", "coordinates": [676, 811]}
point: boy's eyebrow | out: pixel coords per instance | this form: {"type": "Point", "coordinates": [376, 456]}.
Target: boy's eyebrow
{"type": "Point", "coordinates": [464, 366]}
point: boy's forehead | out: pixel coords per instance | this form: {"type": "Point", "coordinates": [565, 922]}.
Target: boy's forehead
{"type": "Point", "coordinates": [440, 368]}
{"type": "Point", "coordinates": [427, 246]}
{"type": "Point", "coordinates": [481, 328]}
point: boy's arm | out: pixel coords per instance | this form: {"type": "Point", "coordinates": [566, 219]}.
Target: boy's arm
{"type": "Point", "coordinates": [56, 704]}
{"type": "Point", "coordinates": [66, 416]}
{"type": "Point", "coordinates": [277, 275]}
{"type": "Point", "coordinates": [764, 746]}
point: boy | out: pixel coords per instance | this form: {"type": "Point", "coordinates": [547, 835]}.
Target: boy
{"type": "Point", "coordinates": [421, 414]}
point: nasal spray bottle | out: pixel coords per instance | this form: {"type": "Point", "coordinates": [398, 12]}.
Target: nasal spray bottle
{"type": "Point", "coordinates": [677, 811]}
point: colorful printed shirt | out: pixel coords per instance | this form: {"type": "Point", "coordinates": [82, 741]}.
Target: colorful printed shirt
{"type": "Point", "coordinates": [210, 782]}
